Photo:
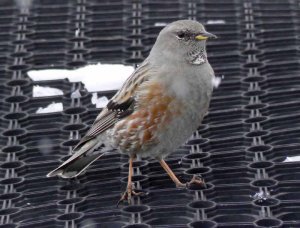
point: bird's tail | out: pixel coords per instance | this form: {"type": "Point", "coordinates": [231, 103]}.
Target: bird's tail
{"type": "Point", "coordinates": [77, 163]}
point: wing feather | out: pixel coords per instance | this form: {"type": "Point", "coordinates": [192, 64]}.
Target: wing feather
{"type": "Point", "coordinates": [120, 106]}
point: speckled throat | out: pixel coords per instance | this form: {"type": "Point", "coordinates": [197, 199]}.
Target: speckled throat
{"type": "Point", "coordinates": [197, 57]}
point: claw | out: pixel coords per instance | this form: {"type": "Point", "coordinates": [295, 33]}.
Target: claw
{"type": "Point", "coordinates": [196, 180]}
{"type": "Point", "coordinates": [126, 196]}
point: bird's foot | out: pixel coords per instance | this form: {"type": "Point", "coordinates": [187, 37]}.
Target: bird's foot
{"type": "Point", "coordinates": [196, 180]}
{"type": "Point", "coordinates": [127, 195]}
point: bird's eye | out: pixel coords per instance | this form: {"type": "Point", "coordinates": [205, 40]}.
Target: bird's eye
{"type": "Point", "coordinates": [181, 35]}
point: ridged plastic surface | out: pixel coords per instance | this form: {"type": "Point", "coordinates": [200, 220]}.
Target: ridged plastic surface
{"type": "Point", "coordinates": [252, 126]}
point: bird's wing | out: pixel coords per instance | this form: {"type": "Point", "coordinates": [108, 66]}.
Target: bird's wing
{"type": "Point", "coordinates": [120, 106]}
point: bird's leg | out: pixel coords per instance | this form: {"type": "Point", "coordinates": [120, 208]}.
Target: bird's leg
{"type": "Point", "coordinates": [179, 184]}
{"type": "Point", "coordinates": [129, 189]}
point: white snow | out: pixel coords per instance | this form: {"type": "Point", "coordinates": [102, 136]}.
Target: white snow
{"type": "Point", "coordinates": [261, 195]}
{"type": "Point", "coordinates": [44, 91]}
{"type": "Point", "coordinates": [160, 24]}
{"type": "Point", "coordinates": [216, 81]}
{"type": "Point", "coordinates": [98, 77]}
{"type": "Point", "coordinates": [77, 31]}
{"type": "Point", "coordinates": [53, 107]}
{"type": "Point", "coordinates": [214, 22]}
{"type": "Point", "coordinates": [76, 94]}
{"type": "Point", "coordinates": [292, 159]}
{"type": "Point", "coordinates": [100, 102]}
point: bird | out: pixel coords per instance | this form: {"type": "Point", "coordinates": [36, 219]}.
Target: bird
{"type": "Point", "coordinates": [156, 110]}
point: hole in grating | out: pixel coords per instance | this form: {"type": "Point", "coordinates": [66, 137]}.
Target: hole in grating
{"type": "Point", "coordinates": [264, 183]}
{"type": "Point", "coordinates": [70, 216]}
{"type": "Point", "coordinates": [15, 116]}
{"type": "Point", "coordinates": [251, 52]}
{"type": "Point", "coordinates": [256, 134]}
{"type": "Point", "coordinates": [253, 64]}
{"type": "Point", "coordinates": [256, 119]}
{"type": "Point", "coordinates": [10, 196]}
{"type": "Point", "coordinates": [22, 67]}
{"type": "Point", "coordinates": [197, 187]}
{"type": "Point", "coordinates": [18, 82]}
{"type": "Point", "coordinates": [261, 165]}
{"type": "Point", "coordinates": [13, 132]}
{"type": "Point", "coordinates": [73, 127]}
{"type": "Point", "coordinates": [71, 187]}
{"type": "Point", "coordinates": [79, 39]}
{"type": "Point", "coordinates": [140, 225]}
{"type": "Point", "coordinates": [14, 180]}
{"type": "Point", "coordinates": [70, 201]}
{"type": "Point", "coordinates": [268, 222]}
{"type": "Point", "coordinates": [16, 99]}
{"type": "Point", "coordinates": [254, 93]}
{"type": "Point", "coordinates": [20, 54]}
{"type": "Point", "coordinates": [255, 106]}
{"type": "Point", "coordinates": [11, 165]}
{"type": "Point", "coordinates": [266, 202]}
{"type": "Point", "coordinates": [74, 110]}
{"type": "Point", "coordinates": [136, 209]}
{"type": "Point", "coordinates": [292, 216]}
{"type": "Point", "coordinates": [169, 221]}
{"type": "Point", "coordinates": [72, 142]}
{"type": "Point", "coordinates": [8, 226]}
{"type": "Point", "coordinates": [77, 63]}
{"type": "Point", "coordinates": [201, 204]}
{"type": "Point", "coordinates": [234, 218]}
{"type": "Point", "coordinates": [259, 148]}
{"type": "Point", "coordinates": [78, 51]}
{"type": "Point", "coordinates": [8, 211]}
{"type": "Point", "coordinates": [13, 149]}
{"type": "Point", "coordinates": [250, 40]}
{"type": "Point", "coordinates": [203, 224]}
{"type": "Point", "coordinates": [201, 170]}
{"type": "Point", "coordinates": [197, 156]}
{"type": "Point", "coordinates": [199, 142]}
{"type": "Point", "coordinates": [133, 60]}
{"type": "Point", "coordinates": [138, 163]}
{"type": "Point", "coordinates": [134, 48]}
{"type": "Point", "coordinates": [253, 79]}
{"type": "Point", "coordinates": [139, 178]}
{"type": "Point", "coordinates": [25, 42]}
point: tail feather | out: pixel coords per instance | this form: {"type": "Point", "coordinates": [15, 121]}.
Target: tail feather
{"type": "Point", "coordinates": [72, 168]}
{"type": "Point", "coordinates": [79, 161]}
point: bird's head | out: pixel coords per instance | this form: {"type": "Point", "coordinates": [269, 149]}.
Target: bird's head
{"type": "Point", "coordinates": [183, 40]}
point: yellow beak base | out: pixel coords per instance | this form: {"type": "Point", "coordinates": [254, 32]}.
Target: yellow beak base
{"type": "Point", "coordinates": [200, 37]}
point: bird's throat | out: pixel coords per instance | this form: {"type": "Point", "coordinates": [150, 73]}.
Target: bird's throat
{"type": "Point", "coordinates": [197, 57]}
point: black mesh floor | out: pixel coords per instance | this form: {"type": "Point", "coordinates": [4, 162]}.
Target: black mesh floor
{"type": "Point", "coordinates": [252, 126]}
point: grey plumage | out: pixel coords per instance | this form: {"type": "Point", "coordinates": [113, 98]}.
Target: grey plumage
{"type": "Point", "coordinates": [178, 64]}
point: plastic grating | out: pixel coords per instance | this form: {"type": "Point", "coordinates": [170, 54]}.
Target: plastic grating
{"type": "Point", "coordinates": [252, 126]}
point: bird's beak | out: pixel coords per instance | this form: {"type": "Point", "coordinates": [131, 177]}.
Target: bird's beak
{"type": "Point", "coordinates": [205, 35]}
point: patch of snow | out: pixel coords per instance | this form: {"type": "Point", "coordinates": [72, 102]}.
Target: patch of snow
{"type": "Point", "coordinates": [76, 94]}
{"type": "Point", "coordinates": [98, 77]}
{"type": "Point", "coordinates": [53, 107]}
{"type": "Point", "coordinates": [44, 91]}
{"type": "Point", "coordinates": [261, 195]}
{"type": "Point", "coordinates": [215, 22]}
{"type": "Point", "coordinates": [292, 159]}
{"type": "Point", "coordinates": [160, 24]}
{"type": "Point", "coordinates": [77, 31]}
{"type": "Point", "coordinates": [216, 81]}
{"type": "Point", "coordinates": [100, 102]}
